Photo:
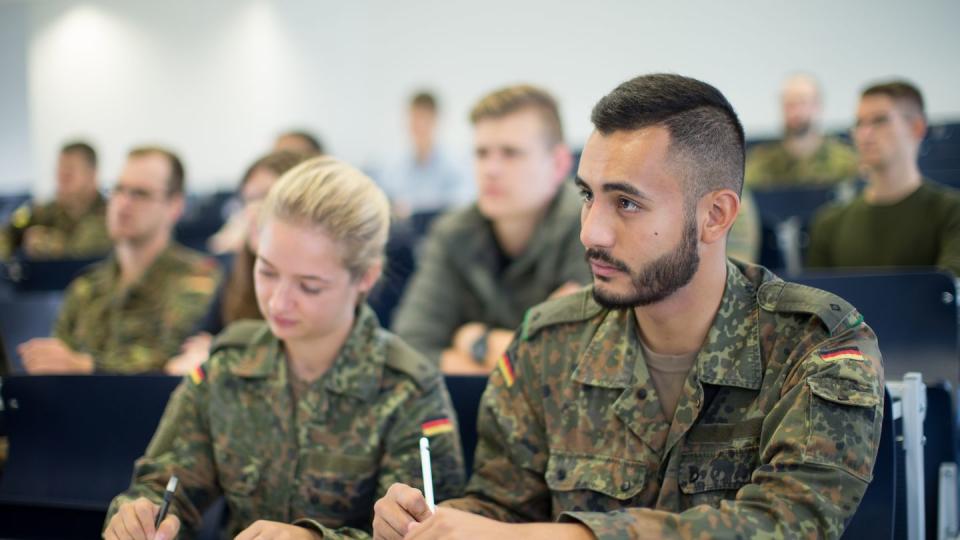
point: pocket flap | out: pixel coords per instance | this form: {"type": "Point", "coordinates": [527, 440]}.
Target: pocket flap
{"type": "Point", "coordinates": [843, 391]}
{"type": "Point", "coordinates": [614, 477]}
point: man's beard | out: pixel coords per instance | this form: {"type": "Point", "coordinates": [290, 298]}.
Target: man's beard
{"type": "Point", "coordinates": [658, 279]}
{"type": "Point", "coordinates": [798, 130]}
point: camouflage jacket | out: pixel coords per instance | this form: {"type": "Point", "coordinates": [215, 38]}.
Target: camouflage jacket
{"type": "Point", "coordinates": [771, 165]}
{"type": "Point", "coordinates": [775, 434]}
{"type": "Point", "coordinates": [232, 429]}
{"type": "Point", "coordinates": [459, 278]}
{"type": "Point", "coordinates": [64, 236]}
{"type": "Point", "coordinates": [138, 328]}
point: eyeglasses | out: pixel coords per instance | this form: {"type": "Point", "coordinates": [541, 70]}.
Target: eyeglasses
{"type": "Point", "coordinates": [135, 194]}
{"type": "Point", "coordinates": [872, 123]}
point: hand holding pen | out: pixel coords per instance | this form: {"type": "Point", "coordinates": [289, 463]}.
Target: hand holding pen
{"type": "Point", "coordinates": [143, 518]}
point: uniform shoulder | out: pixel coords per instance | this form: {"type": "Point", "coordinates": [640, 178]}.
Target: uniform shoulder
{"type": "Point", "coordinates": [193, 262]}
{"type": "Point", "coordinates": [576, 307]}
{"type": "Point", "coordinates": [456, 222]}
{"type": "Point", "coordinates": [404, 359]}
{"type": "Point", "coordinates": [239, 335]}
{"type": "Point", "coordinates": [835, 313]}
{"type": "Point", "coordinates": [90, 277]}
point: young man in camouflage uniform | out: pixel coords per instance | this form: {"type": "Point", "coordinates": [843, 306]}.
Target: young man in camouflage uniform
{"type": "Point", "coordinates": [130, 313]}
{"type": "Point", "coordinates": [804, 156]}
{"type": "Point", "coordinates": [73, 225]}
{"type": "Point", "coordinates": [682, 396]}
{"type": "Point", "coordinates": [483, 266]}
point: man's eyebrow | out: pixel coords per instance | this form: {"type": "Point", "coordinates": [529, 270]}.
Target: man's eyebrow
{"type": "Point", "coordinates": [623, 187]}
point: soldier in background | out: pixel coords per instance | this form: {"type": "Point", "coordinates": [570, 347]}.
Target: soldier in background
{"type": "Point", "coordinates": [804, 156]}
{"type": "Point", "coordinates": [484, 265]}
{"type": "Point", "coordinates": [900, 219]}
{"type": "Point", "coordinates": [300, 421]}
{"type": "Point", "coordinates": [73, 225]}
{"type": "Point", "coordinates": [683, 396]}
{"type": "Point", "coordinates": [301, 142]}
{"type": "Point", "coordinates": [131, 312]}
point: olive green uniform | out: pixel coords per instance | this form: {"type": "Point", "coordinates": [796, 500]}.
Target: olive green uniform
{"type": "Point", "coordinates": [234, 428]}
{"type": "Point", "coordinates": [64, 236]}
{"type": "Point", "coordinates": [774, 435]}
{"type": "Point", "coordinates": [462, 276]}
{"type": "Point", "coordinates": [138, 328]}
{"type": "Point", "coordinates": [771, 165]}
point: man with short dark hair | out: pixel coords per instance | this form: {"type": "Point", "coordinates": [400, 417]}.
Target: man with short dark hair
{"type": "Point", "coordinates": [71, 226]}
{"type": "Point", "coordinates": [131, 312]}
{"type": "Point", "coordinates": [682, 396]}
{"type": "Point", "coordinates": [805, 156]}
{"type": "Point", "coordinates": [900, 219]}
{"type": "Point", "coordinates": [424, 178]}
{"type": "Point", "coordinates": [483, 266]}
{"type": "Point", "coordinates": [298, 141]}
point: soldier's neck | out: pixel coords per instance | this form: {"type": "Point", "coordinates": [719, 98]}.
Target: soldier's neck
{"type": "Point", "coordinates": [135, 258]}
{"type": "Point", "coordinates": [803, 146]}
{"type": "Point", "coordinates": [514, 234]}
{"type": "Point", "coordinates": [892, 183]}
{"type": "Point", "coordinates": [311, 358]}
{"type": "Point", "coordinates": [679, 324]}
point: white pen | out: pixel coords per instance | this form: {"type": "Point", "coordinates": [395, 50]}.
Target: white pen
{"type": "Point", "coordinates": [427, 475]}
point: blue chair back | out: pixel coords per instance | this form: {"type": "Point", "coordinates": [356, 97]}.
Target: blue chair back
{"type": "Point", "coordinates": [25, 316]}
{"type": "Point", "coordinates": [465, 391]}
{"type": "Point", "coordinates": [914, 314]}
{"type": "Point", "coordinates": [877, 515]}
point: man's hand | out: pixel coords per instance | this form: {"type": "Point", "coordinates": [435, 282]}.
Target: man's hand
{"type": "Point", "coordinates": [40, 241]}
{"type": "Point", "coordinates": [272, 530]}
{"type": "Point", "coordinates": [195, 351]}
{"type": "Point", "coordinates": [466, 336]}
{"type": "Point", "coordinates": [50, 356]}
{"type": "Point", "coordinates": [451, 524]}
{"type": "Point", "coordinates": [399, 507]}
{"type": "Point", "coordinates": [567, 288]}
{"type": "Point", "coordinates": [134, 521]}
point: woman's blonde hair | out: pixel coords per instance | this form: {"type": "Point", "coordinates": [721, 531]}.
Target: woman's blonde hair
{"type": "Point", "coordinates": [344, 203]}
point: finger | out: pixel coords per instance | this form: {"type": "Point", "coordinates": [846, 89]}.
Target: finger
{"type": "Point", "coordinates": [412, 501]}
{"type": "Point", "coordinates": [146, 513]}
{"type": "Point", "coordinates": [383, 530]}
{"type": "Point", "coordinates": [250, 533]}
{"type": "Point", "coordinates": [169, 528]}
{"type": "Point", "coordinates": [111, 532]}
{"type": "Point", "coordinates": [131, 525]}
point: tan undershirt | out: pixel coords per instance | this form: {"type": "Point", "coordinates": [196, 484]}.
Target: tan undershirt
{"type": "Point", "coordinates": [668, 373]}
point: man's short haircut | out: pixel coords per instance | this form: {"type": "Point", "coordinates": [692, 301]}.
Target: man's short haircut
{"type": "Point", "coordinates": [424, 100]}
{"type": "Point", "coordinates": [312, 140]}
{"type": "Point", "coordinates": [175, 183]}
{"type": "Point", "coordinates": [83, 150]}
{"type": "Point", "coordinates": [506, 101]}
{"type": "Point", "coordinates": [903, 93]}
{"type": "Point", "coordinates": [705, 134]}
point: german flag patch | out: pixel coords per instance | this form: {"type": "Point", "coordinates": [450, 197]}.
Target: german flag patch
{"type": "Point", "coordinates": [505, 365]}
{"type": "Point", "coordinates": [198, 375]}
{"type": "Point", "coordinates": [431, 428]}
{"type": "Point", "coordinates": [843, 353]}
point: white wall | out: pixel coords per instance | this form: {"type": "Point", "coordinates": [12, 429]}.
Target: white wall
{"type": "Point", "coordinates": [15, 164]}
{"type": "Point", "coordinates": [218, 79]}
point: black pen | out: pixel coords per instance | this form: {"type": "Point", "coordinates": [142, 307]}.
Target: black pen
{"type": "Point", "coordinates": [167, 497]}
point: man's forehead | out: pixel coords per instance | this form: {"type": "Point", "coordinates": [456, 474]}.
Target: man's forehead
{"type": "Point", "coordinates": [525, 125]}
{"type": "Point", "coordinates": [626, 154]}
{"type": "Point", "coordinates": [149, 170]}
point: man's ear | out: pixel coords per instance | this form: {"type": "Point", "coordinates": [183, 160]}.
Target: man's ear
{"type": "Point", "coordinates": [721, 209]}
{"type": "Point", "coordinates": [562, 161]}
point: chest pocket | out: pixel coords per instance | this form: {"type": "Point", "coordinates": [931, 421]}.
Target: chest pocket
{"type": "Point", "coordinates": [595, 483]}
{"type": "Point", "coordinates": [339, 486]}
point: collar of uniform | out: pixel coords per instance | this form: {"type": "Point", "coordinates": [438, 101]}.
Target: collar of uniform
{"type": "Point", "coordinates": [730, 355]}
{"type": "Point", "coordinates": [357, 371]}
{"type": "Point", "coordinates": [731, 352]}
{"type": "Point", "coordinates": [358, 368]}
{"type": "Point", "coordinates": [608, 358]}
